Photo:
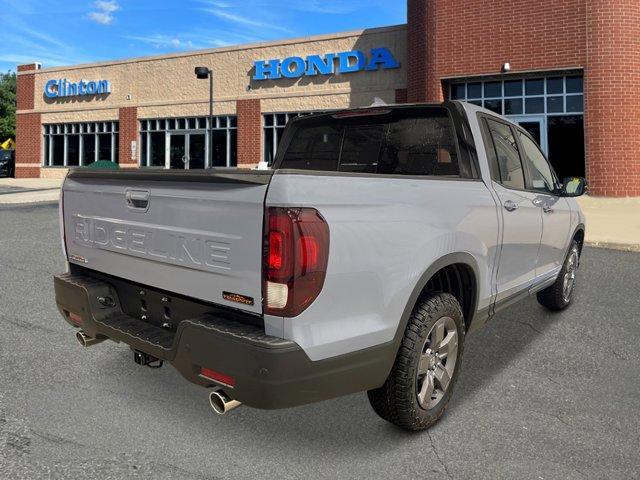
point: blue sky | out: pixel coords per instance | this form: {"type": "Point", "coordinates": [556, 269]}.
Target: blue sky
{"type": "Point", "coordinates": [70, 32]}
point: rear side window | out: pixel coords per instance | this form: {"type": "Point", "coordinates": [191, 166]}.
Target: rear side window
{"type": "Point", "coordinates": [505, 154]}
{"type": "Point", "coordinates": [315, 148]}
{"type": "Point", "coordinates": [415, 144]}
{"type": "Point", "coordinates": [420, 146]}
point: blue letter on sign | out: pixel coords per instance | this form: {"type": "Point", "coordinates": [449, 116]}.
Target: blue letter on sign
{"type": "Point", "coordinates": [298, 67]}
{"type": "Point", "coordinates": [49, 91]}
{"type": "Point", "coordinates": [318, 65]}
{"type": "Point", "coordinates": [267, 70]}
{"type": "Point", "coordinates": [382, 57]}
{"type": "Point", "coordinates": [345, 61]}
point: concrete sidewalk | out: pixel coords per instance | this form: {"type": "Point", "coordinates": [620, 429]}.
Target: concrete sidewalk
{"type": "Point", "coordinates": [29, 190]}
{"type": "Point", "coordinates": [611, 222]}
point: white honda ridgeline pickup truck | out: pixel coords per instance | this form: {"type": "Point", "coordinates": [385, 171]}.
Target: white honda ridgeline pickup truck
{"type": "Point", "coordinates": [360, 261]}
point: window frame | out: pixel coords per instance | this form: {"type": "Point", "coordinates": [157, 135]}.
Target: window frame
{"type": "Point", "coordinates": [168, 125]}
{"type": "Point", "coordinates": [81, 129]}
{"type": "Point", "coordinates": [489, 143]}
{"type": "Point", "coordinates": [486, 137]}
{"type": "Point", "coordinates": [523, 96]}
{"type": "Point", "coordinates": [469, 169]}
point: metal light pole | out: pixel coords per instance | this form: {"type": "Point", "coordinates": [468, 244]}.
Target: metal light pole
{"type": "Point", "coordinates": [202, 73]}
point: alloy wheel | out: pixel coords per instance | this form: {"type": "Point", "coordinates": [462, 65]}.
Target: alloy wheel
{"type": "Point", "coordinates": [437, 363]}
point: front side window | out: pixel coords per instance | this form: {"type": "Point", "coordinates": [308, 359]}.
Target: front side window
{"type": "Point", "coordinates": [406, 144]}
{"type": "Point", "coordinates": [505, 154]}
{"type": "Point", "coordinates": [542, 178]}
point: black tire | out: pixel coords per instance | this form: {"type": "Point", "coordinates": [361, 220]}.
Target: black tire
{"type": "Point", "coordinates": [555, 297]}
{"type": "Point", "coordinates": [397, 400]}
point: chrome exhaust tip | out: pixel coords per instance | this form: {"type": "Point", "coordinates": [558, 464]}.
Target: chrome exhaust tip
{"type": "Point", "coordinates": [221, 403]}
{"type": "Point", "coordinates": [86, 341]}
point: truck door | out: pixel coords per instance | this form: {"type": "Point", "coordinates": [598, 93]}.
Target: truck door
{"type": "Point", "coordinates": [556, 213]}
{"type": "Point", "coordinates": [521, 216]}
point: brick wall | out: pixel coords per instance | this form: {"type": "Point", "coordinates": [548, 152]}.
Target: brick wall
{"type": "Point", "coordinates": [474, 37]}
{"type": "Point", "coordinates": [449, 38]}
{"type": "Point", "coordinates": [28, 145]}
{"type": "Point", "coordinates": [28, 126]}
{"type": "Point", "coordinates": [401, 95]}
{"type": "Point", "coordinates": [249, 131]}
{"type": "Point", "coordinates": [128, 132]}
{"type": "Point", "coordinates": [612, 108]}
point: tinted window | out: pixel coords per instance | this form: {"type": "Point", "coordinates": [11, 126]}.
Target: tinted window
{"type": "Point", "coordinates": [534, 87]}
{"type": "Point", "coordinates": [505, 154]}
{"type": "Point", "coordinates": [361, 148]}
{"type": "Point", "coordinates": [575, 85]}
{"type": "Point", "coordinates": [541, 175]}
{"type": "Point", "coordinates": [513, 88]}
{"type": "Point", "coordinates": [420, 146]}
{"type": "Point", "coordinates": [405, 144]}
{"type": "Point", "coordinates": [314, 148]}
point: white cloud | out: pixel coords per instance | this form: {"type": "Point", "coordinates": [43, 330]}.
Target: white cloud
{"type": "Point", "coordinates": [158, 40]}
{"type": "Point", "coordinates": [104, 10]}
{"type": "Point", "coordinates": [246, 21]}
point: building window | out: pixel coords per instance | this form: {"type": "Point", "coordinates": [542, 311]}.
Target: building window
{"type": "Point", "coordinates": [184, 142]}
{"type": "Point", "coordinates": [79, 144]}
{"type": "Point", "coordinates": [273, 126]}
{"type": "Point", "coordinates": [525, 96]}
{"type": "Point", "coordinates": [550, 108]}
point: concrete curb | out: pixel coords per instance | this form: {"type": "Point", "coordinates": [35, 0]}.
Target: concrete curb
{"type": "Point", "coordinates": [625, 247]}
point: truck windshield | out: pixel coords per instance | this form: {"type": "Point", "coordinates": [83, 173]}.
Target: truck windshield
{"type": "Point", "coordinates": [398, 141]}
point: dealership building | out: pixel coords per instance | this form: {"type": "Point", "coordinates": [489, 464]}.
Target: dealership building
{"type": "Point", "coordinates": [568, 72]}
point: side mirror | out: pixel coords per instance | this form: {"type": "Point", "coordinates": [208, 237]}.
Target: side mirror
{"type": "Point", "coordinates": [573, 187]}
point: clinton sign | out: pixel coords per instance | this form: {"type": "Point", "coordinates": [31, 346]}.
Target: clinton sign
{"type": "Point", "coordinates": [65, 88]}
{"type": "Point", "coordinates": [328, 64]}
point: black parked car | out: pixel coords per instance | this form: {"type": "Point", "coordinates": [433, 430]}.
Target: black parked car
{"type": "Point", "coordinates": [7, 163]}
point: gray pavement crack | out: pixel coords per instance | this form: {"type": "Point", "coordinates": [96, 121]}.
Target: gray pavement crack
{"type": "Point", "coordinates": [435, 452]}
{"type": "Point", "coordinates": [528, 325]}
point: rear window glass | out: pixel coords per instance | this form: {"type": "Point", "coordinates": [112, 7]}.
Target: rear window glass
{"type": "Point", "coordinates": [418, 143]}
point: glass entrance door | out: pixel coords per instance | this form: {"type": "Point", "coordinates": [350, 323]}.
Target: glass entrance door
{"type": "Point", "coordinates": [187, 150]}
{"type": "Point", "coordinates": [196, 152]}
{"type": "Point", "coordinates": [536, 127]}
{"type": "Point", "coordinates": [177, 152]}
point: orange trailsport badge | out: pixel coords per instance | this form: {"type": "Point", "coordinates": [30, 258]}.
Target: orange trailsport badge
{"type": "Point", "coordinates": [236, 297]}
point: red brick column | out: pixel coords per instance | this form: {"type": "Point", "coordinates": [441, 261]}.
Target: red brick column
{"type": "Point", "coordinates": [28, 126]}
{"type": "Point", "coordinates": [401, 95]}
{"type": "Point", "coordinates": [417, 61]}
{"type": "Point", "coordinates": [128, 132]}
{"type": "Point", "coordinates": [612, 97]}
{"type": "Point", "coordinates": [249, 132]}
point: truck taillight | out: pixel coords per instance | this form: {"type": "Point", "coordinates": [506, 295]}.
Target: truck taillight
{"type": "Point", "coordinates": [295, 259]}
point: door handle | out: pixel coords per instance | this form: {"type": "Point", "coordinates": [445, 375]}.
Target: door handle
{"type": "Point", "coordinates": [137, 199]}
{"type": "Point", "coordinates": [546, 208]}
{"type": "Point", "coordinates": [510, 206]}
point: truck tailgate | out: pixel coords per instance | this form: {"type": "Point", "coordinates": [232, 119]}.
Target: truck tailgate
{"type": "Point", "coordinates": [193, 233]}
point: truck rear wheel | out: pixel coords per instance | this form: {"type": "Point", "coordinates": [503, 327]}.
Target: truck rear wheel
{"type": "Point", "coordinates": [558, 295]}
{"type": "Point", "coordinates": [418, 389]}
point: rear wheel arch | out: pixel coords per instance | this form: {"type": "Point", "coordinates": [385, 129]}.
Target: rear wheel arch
{"type": "Point", "coordinates": [455, 273]}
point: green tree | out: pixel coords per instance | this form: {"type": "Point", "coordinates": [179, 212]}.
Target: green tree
{"type": "Point", "coordinates": [7, 106]}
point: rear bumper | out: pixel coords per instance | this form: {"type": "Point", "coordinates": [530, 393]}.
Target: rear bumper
{"type": "Point", "coordinates": [268, 372]}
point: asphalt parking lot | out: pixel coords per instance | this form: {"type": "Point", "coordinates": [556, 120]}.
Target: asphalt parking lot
{"type": "Point", "coordinates": [540, 396]}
